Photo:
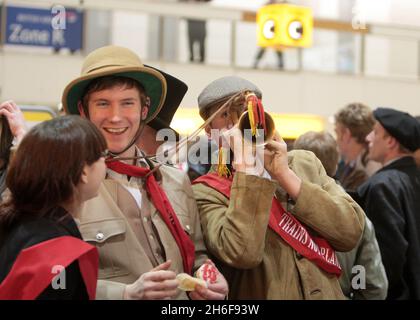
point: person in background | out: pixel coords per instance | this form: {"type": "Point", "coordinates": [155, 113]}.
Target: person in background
{"type": "Point", "coordinates": [145, 220]}
{"type": "Point", "coordinates": [390, 199]}
{"type": "Point", "coordinates": [366, 255]}
{"type": "Point", "coordinates": [12, 131]}
{"type": "Point", "coordinates": [323, 145]}
{"type": "Point", "coordinates": [258, 223]}
{"type": "Point", "coordinates": [260, 54]}
{"type": "Point", "coordinates": [352, 124]}
{"type": "Point", "coordinates": [200, 156]}
{"type": "Point", "coordinates": [197, 33]}
{"type": "Point", "coordinates": [58, 166]}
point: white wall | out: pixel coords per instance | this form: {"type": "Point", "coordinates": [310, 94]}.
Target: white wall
{"type": "Point", "coordinates": [306, 92]}
{"type": "Point", "coordinates": [31, 78]}
{"type": "Point", "coordinates": [41, 78]}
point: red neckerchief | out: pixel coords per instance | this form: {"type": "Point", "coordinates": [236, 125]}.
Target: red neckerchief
{"type": "Point", "coordinates": [162, 204]}
{"type": "Point", "coordinates": [32, 272]}
{"type": "Point", "coordinates": [287, 227]}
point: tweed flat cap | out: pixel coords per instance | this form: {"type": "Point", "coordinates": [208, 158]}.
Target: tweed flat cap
{"type": "Point", "coordinates": [223, 88]}
{"type": "Point", "coordinates": [401, 125]}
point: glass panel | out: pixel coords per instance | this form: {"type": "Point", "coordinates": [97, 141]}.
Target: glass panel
{"type": "Point", "coordinates": [386, 57]}
{"type": "Point", "coordinates": [322, 56]}
{"type": "Point", "coordinates": [132, 30]}
{"type": "Point", "coordinates": [219, 42]}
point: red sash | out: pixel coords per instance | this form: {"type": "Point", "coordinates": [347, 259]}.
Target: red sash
{"type": "Point", "coordinates": [287, 227]}
{"type": "Point", "coordinates": [162, 204]}
{"type": "Point", "coordinates": [32, 272]}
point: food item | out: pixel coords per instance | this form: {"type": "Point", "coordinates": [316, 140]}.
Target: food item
{"type": "Point", "coordinates": [188, 283]}
{"type": "Point", "coordinates": [208, 273]}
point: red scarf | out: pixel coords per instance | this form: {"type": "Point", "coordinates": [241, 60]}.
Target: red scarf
{"type": "Point", "coordinates": [32, 273]}
{"type": "Point", "coordinates": [162, 204]}
{"type": "Point", "coordinates": [287, 227]}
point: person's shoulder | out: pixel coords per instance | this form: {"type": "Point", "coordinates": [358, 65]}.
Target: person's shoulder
{"type": "Point", "coordinates": [303, 159]}
{"type": "Point", "coordinates": [174, 176]}
{"type": "Point", "coordinates": [170, 170]}
{"type": "Point", "coordinates": [384, 176]}
{"type": "Point", "coordinates": [203, 191]}
{"type": "Point", "coordinates": [301, 155]}
{"type": "Point", "coordinates": [30, 231]}
{"type": "Point", "coordinates": [380, 182]}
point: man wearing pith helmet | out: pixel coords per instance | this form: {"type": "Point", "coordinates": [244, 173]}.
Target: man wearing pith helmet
{"type": "Point", "coordinates": [273, 232]}
{"type": "Point", "coordinates": [391, 199]}
{"type": "Point", "coordinates": [144, 221]}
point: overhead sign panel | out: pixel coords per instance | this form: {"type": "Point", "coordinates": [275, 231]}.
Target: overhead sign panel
{"type": "Point", "coordinates": [57, 27]}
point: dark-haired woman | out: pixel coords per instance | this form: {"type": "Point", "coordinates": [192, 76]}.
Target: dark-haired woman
{"type": "Point", "coordinates": [59, 164]}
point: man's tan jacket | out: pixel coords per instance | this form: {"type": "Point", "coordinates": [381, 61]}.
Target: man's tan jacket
{"type": "Point", "coordinates": [122, 258]}
{"type": "Point", "coordinates": [257, 263]}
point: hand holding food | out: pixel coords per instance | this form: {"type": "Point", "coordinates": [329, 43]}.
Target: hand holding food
{"type": "Point", "coordinates": [189, 283]}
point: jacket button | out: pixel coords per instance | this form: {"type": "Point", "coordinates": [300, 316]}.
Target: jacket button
{"type": "Point", "coordinates": [188, 227]}
{"type": "Point", "coordinates": [298, 256]}
{"type": "Point", "coordinates": [99, 236]}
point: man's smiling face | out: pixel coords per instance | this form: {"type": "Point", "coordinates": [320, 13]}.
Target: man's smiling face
{"type": "Point", "coordinates": [117, 112]}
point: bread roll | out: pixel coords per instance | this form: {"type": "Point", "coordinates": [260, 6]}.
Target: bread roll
{"type": "Point", "coordinates": [188, 283]}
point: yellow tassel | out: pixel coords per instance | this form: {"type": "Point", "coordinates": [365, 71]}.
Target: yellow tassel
{"type": "Point", "coordinates": [222, 169]}
{"type": "Point", "coordinates": [251, 118]}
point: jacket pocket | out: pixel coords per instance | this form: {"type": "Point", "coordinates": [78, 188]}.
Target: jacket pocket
{"type": "Point", "coordinates": [186, 223]}
{"type": "Point", "coordinates": [184, 218]}
{"type": "Point", "coordinates": [109, 238]}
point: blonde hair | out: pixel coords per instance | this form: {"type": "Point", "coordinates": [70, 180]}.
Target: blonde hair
{"type": "Point", "coordinates": [323, 145]}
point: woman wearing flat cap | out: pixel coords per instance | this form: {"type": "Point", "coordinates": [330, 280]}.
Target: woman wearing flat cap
{"type": "Point", "coordinates": [144, 223]}
{"type": "Point", "coordinates": [390, 199]}
{"type": "Point", "coordinates": [274, 232]}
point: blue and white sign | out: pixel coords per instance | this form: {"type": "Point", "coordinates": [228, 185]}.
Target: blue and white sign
{"type": "Point", "coordinates": [58, 27]}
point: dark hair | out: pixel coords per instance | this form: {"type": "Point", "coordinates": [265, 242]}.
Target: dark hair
{"type": "Point", "coordinates": [48, 165]}
{"type": "Point", "coordinates": [6, 138]}
{"type": "Point", "coordinates": [108, 82]}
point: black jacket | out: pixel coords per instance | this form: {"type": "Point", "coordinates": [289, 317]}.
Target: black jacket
{"type": "Point", "coordinates": [28, 231]}
{"type": "Point", "coordinates": [391, 199]}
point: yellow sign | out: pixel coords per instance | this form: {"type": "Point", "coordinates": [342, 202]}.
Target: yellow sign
{"type": "Point", "coordinates": [284, 25]}
{"type": "Point", "coordinates": [290, 126]}
{"type": "Point", "coordinates": [36, 114]}
{"type": "Point", "coordinates": [32, 116]}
